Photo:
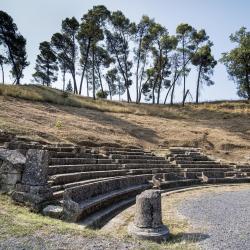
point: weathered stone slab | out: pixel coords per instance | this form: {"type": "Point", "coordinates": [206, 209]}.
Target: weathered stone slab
{"type": "Point", "coordinates": [12, 164]}
{"type": "Point", "coordinates": [33, 189]}
{"type": "Point", "coordinates": [36, 168]}
{"type": "Point", "coordinates": [13, 157]}
{"type": "Point", "coordinates": [173, 176]}
{"type": "Point", "coordinates": [53, 211]}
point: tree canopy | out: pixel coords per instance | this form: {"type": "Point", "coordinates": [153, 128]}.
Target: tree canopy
{"type": "Point", "coordinates": [113, 55]}
{"type": "Point", "coordinates": [15, 46]}
{"type": "Point", "coordinates": [237, 61]}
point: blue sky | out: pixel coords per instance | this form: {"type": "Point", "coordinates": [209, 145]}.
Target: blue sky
{"type": "Point", "coordinates": [37, 20]}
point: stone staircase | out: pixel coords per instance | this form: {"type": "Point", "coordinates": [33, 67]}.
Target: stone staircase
{"type": "Point", "coordinates": [93, 184]}
{"type": "Point", "coordinates": [194, 163]}
{"type": "Point", "coordinates": [78, 169]}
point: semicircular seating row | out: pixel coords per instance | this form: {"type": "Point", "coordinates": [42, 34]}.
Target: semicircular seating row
{"type": "Point", "coordinates": [93, 184]}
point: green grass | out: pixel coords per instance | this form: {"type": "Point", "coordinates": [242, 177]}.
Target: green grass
{"type": "Point", "coordinates": [19, 221]}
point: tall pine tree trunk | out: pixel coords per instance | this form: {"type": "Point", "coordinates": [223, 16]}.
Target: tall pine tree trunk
{"type": "Point", "coordinates": [184, 72]}
{"type": "Point", "coordinates": [93, 71]}
{"type": "Point", "coordinates": [84, 67]}
{"type": "Point", "coordinates": [110, 93]}
{"type": "Point", "coordinates": [141, 78]}
{"type": "Point", "coordinates": [74, 81]}
{"type": "Point", "coordinates": [63, 80]}
{"type": "Point", "coordinates": [198, 85]}
{"type": "Point", "coordinates": [87, 81]}
{"type": "Point", "coordinates": [100, 78]}
{"type": "Point", "coordinates": [2, 73]}
{"type": "Point", "coordinates": [169, 89]}
{"type": "Point", "coordinates": [137, 72]}
{"type": "Point", "coordinates": [172, 94]}
{"type": "Point", "coordinates": [128, 95]}
{"type": "Point", "coordinates": [248, 85]}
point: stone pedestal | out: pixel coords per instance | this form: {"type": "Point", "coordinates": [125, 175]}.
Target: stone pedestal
{"type": "Point", "coordinates": [147, 223]}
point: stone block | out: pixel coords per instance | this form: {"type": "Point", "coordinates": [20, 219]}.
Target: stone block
{"type": "Point", "coordinates": [172, 177]}
{"type": "Point", "coordinates": [53, 211]}
{"type": "Point", "coordinates": [12, 164]}
{"type": "Point", "coordinates": [36, 168]}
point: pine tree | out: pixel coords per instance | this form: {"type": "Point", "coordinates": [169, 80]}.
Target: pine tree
{"type": "Point", "coordinates": [46, 65]}
{"type": "Point", "coordinates": [15, 45]}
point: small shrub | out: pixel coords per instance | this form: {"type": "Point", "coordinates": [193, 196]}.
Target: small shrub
{"type": "Point", "coordinates": [58, 124]}
{"type": "Point", "coordinates": [69, 87]}
{"type": "Point", "coordinates": [102, 94]}
{"type": "Point", "coordinates": [65, 94]}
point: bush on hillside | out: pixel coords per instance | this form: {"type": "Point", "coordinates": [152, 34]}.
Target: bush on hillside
{"type": "Point", "coordinates": [102, 94]}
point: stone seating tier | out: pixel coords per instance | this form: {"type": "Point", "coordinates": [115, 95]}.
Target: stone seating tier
{"type": "Point", "coordinates": [141, 161]}
{"type": "Point", "coordinates": [61, 169]}
{"type": "Point", "coordinates": [69, 161]}
{"type": "Point", "coordinates": [83, 200]}
{"type": "Point", "coordinates": [148, 157]}
{"type": "Point", "coordinates": [79, 176]}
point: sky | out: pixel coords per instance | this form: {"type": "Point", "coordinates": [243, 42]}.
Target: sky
{"type": "Point", "coordinates": [38, 20]}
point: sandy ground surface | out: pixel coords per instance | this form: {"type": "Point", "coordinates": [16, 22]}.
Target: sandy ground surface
{"type": "Point", "coordinates": [223, 217]}
{"type": "Point", "coordinates": [189, 216]}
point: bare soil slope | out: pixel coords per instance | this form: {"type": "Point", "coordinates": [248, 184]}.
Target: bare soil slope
{"type": "Point", "coordinates": [221, 129]}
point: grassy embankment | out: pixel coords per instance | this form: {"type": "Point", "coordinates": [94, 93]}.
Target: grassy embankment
{"type": "Point", "coordinates": [220, 128]}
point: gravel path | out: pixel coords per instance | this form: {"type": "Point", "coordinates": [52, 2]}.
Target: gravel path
{"type": "Point", "coordinates": [224, 218]}
{"type": "Point", "coordinates": [67, 242]}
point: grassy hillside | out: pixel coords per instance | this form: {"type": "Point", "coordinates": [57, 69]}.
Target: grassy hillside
{"type": "Point", "coordinates": [220, 128]}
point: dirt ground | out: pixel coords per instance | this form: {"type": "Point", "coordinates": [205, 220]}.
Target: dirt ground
{"type": "Point", "coordinates": [225, 135]}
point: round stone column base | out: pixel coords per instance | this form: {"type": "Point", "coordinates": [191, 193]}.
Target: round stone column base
{"type": "Point", "coordinates": [159, 234]}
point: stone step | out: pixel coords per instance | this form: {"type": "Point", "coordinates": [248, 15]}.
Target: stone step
{"type": "Point", "coordinates": [61, 149]}
{"type": "Point", "coordinates": [69, 161]}
{"type": "Point", "coordinates": [184, 148]}
{"type": "Point", "coordinates": [194, 169]}
{"type": "Point", "coordinates": [4, 139]}
{"type": "Point", "coordinates": [188, 158]}
{"type": "Point", "coordinates": [61, 179]}
{"type": "Point", "coordinates": [96, 204]}
{"type": "Point", "coordinates": [128, 153]}
{"type": "Point", "coordinates": [100, 218]}
{"type": "Point", "coordinates": [179, 183]}
{"type": "Point", "coordinates": [228, 180]}
{"type": "Point", "coordinates": [76, 155]}
{"type": "Point", "coordinates": [123, 149]}
{"type": "Point", "coordinates": [246, 170]}
{"type": "Point", "coordinates": [141, 161]}
{"type": "Point", "coordinates": [23, 146]}
{"type": "Point", "coordinates": [58, 190]}
{"type": "Point", "coordinates": [145, 157]}
{"type": "Point", "coordinates": [61, 145]}
{"type": "Point", "coordinates": [231, 173]}
{"type": "Point", "coordinates": [196, 162]}
{"type": "Point", "coordinates": [212, 165]}
{"type": "Point", "coordinates": [61, 169]}
{"type": "Point", "coordinates": [242, 166]}
{"type": "Point", "coordinates": [136, 166]}
{"type": "Point", "coordinates": [90, 198]}
{"type": "Point", "coordinates": [141, 171]}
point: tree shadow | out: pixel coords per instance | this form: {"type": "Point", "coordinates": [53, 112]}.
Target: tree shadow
{"type": "Point", "coordinates": [189, 237]}
{"type": "Point", "coordinates": [107, 119]}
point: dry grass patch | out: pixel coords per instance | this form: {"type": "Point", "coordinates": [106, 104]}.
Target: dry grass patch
{"type": "Point", "coordinates": [18, 221]}
{"type": "Point", "coordinates": [41, 113]}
